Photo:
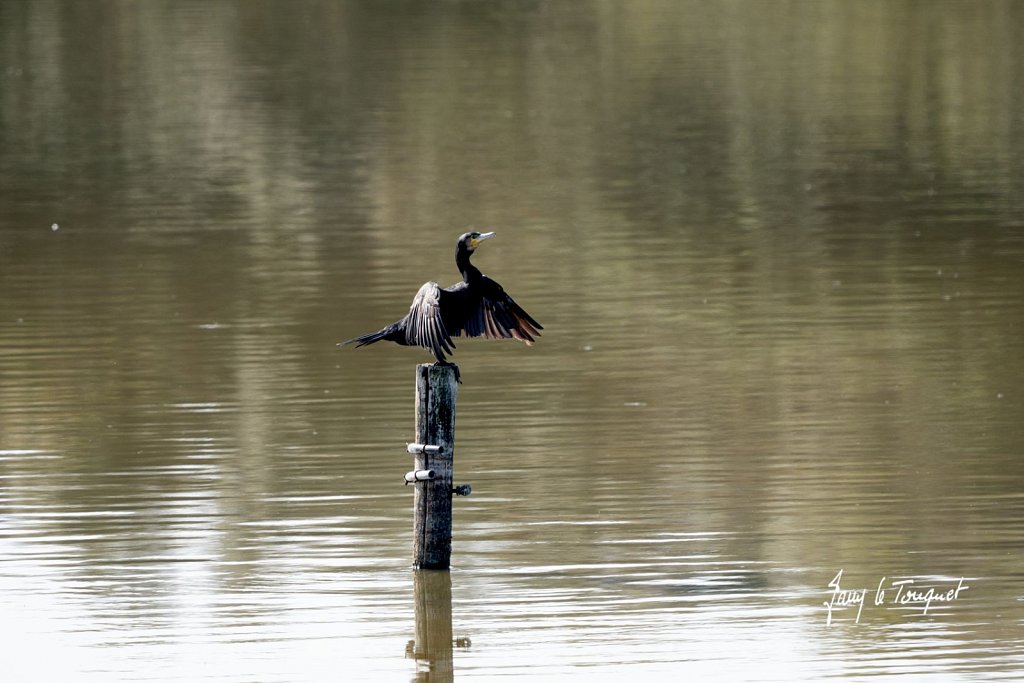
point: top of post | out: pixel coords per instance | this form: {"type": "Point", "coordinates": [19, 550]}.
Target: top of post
{"type": "Point", "coordinates": [438, 372]}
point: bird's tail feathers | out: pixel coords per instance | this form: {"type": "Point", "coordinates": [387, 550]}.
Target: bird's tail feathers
{"type": "Point", "coordinates": [386, 333]}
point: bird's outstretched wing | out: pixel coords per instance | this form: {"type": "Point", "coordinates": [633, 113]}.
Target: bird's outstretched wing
{"type": "Point", "coordinates": [424, 325]}
{"type": "Point", "coordinates": [499, 317]}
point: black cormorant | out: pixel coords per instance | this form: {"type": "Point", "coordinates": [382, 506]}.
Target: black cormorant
{"type": "Point", "coordinates": [477, 306]}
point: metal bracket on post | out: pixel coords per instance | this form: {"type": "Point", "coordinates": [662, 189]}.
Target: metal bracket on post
{"type": "Point", "coordinates": [417, 448]}
{"type": "Point", "coordinates": [462, 490]}
{"type": "Point", "coordinates": [418, 475]}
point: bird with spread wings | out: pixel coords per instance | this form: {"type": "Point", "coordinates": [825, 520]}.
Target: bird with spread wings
{"type": "Point", "coordinates": [476, 307]}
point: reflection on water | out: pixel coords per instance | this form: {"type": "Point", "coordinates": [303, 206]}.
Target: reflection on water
{"type": "Point", "coordinates": [777, 249]}
{"type": "Point", "coordinates": [433, 645]}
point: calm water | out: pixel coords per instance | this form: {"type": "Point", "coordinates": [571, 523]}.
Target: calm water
{"type": "Point", "coordinates": [778, 249]}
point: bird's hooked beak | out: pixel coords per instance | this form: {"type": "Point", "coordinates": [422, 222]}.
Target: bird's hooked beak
{"type": "Point", "coordinates": [475, 242]}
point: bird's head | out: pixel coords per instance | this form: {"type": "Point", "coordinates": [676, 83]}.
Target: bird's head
{"type": "Point", "coordinates": [471, 240]}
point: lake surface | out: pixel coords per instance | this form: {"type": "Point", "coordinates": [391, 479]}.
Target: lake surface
{"type": "Point", "coordinates": [778, 251]}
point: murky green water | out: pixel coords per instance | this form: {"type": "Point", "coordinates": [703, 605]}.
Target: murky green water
{"type": "Point", "coordinates": [778, 250]}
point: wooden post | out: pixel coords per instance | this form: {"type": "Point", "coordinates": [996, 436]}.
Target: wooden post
{"type": "Point", "coordinates": [432, 501]}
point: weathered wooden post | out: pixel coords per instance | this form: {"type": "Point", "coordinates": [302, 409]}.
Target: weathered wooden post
{"type": "Point", "coordinates": [434, 470]}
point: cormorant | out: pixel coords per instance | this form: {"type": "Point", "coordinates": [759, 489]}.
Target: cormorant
{"type": "Point", "coordinates": [477, 306]}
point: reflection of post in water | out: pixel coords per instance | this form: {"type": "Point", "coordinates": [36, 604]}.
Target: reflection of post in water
{"type": "Point", "coordinates": [432, 648]}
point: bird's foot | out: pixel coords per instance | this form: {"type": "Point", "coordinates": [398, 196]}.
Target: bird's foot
{"type": "Point", "coordinates": [453, 366]}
